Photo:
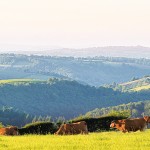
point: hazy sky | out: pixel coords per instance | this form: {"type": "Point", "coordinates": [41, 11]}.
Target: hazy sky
{"type": "Point", "coordinates": [74, 23]}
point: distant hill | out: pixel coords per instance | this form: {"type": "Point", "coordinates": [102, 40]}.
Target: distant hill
{"type": "Point", "coordinates": [57, 97]}
{"type": "Point", "coordinates": [136, 84]}
{"type": "Point", "coordinates": [94, 71]}
{"type": "Point", "coordinates": [136, 109]}
{"type": "Point", "coordinates": [107, 51]}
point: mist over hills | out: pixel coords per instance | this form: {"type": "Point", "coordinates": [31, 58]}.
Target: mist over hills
{"type": "Point", "coordinates": [107, 51]}
{"type": "Point", "coordinates": [94, 71]}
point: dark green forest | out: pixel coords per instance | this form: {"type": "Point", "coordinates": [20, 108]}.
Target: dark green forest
{"type": "Point", "coordinates": [62, 98]}
{"type": "Point", "coordinates": [11, 116]}
{"type": "Point", "coordinates": [134, 109]}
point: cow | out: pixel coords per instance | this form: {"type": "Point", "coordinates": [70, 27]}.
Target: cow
{"type": "Point", "coordinates": [147, 119]}
{"type": "Point", "coordinates": [73, 128]}
{"type": "Point", "coordinates": [119, 124]}
{"type": "Point", "coordinates": [127, 125]}
{"type": "Point", "coordinates": [12, 130]}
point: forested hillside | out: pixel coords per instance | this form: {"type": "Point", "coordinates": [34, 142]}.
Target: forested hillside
{"type": "Point", "coordinates": [11, 116]}
{"type": "Point", "coordinates": [94, 71]}
{"type": "Point", "coordinates": [136, 84]}
{"type": "Point", "coordinates": [56, 97]}
{"type": "Point", "coordinates": [136, 109]}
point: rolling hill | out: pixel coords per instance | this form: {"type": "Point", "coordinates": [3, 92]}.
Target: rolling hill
{"type": "Point", "coordinates": [136, 109]}
{"type": "Point", "coordinates": [57, 97]}
{"type": "Point", "coordinates": [93, 71]}
{"type": "Point", "coordinates": [107, 51]}
{"type": "Point", "coordinates": [136, 84]}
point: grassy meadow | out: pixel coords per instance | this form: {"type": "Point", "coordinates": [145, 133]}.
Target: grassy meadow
{"type": "Point", "coordinates": [145, 87]}
{"type": "Point", "coordinates": [15, 81]}
{"type": "Point", "coordinates": [93, 141]}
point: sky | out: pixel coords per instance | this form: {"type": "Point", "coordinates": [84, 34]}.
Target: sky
{"type": "Point", "coordinates": [74, 23]}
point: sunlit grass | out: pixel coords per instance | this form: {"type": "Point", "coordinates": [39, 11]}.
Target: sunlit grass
{"type": "Point", "coordinates": [12, 81]}
{"type": "Point", "coordinates": [145, 87]}
{"type": "Point", "coordinates": [93, 141]}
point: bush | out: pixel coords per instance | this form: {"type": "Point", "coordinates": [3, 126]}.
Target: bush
{"type": "Point", "coordinates": [122, 113]}
{"type": "Point", "coordinates": [38, 128]}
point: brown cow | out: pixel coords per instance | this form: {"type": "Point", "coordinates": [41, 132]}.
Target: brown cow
{"type": "Point", "coordinates": [127, 125]}
{"type": "Point", "coordinates": [119, 124]}
{"type": "Point", "coordinates": [12, 130]}
{"type": "Point", "coordinates": [147, 118]}
{"type": "Point", "coordinates": [73, 128]}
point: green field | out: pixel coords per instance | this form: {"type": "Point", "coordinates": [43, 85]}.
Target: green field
{"type": "Point", "coordinates": [145, 87]}
{"type": "Point", "coordinates": [19, 81]}
{"type": "Point", "coordinates": [93, 141]}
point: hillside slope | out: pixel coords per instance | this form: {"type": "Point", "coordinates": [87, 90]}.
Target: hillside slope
{"type": "Point", "coordinates": [93, 71]}
{"type": "Point", "coordinates": [136, 109]}
{"type": "Point", "coordinates": [107, 51]}
{"type": "Point", "coordinates": [56, 97]}
{"type": "Point", "coordinates": [137, 84]}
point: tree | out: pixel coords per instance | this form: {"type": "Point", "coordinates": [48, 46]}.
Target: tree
{"type": "Point", "coordinates": [1, 125]}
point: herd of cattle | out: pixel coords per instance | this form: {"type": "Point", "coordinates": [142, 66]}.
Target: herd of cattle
{"type": "Point", "coordinates": [124, 125]}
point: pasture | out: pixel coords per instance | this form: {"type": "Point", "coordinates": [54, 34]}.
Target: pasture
{"type": "Point", "coordinates": [94, 141]}
{"type": "Point", "coordinates": [19, 81]}
{"type": "Point", "coordinates": [144, 87]}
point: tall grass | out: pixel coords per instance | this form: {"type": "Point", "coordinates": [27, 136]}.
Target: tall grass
{"type": "Point", "coordinates": [93, 141]}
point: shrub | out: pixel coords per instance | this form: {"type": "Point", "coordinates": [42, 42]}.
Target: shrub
{"type": "Point", "coordinates": [38, 128]}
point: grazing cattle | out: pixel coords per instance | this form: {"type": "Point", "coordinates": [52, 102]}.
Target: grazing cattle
{"type": "Point", "coordinates": [127, 125]}
{"type": "Point", "coordinates": [119, 124]}
{"type": "Point", "coordinates": [147, 119]}
{"type": "Point", "coordinates": [9, 131]}
{"type": "Point", "coordinates": [73, 128]}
